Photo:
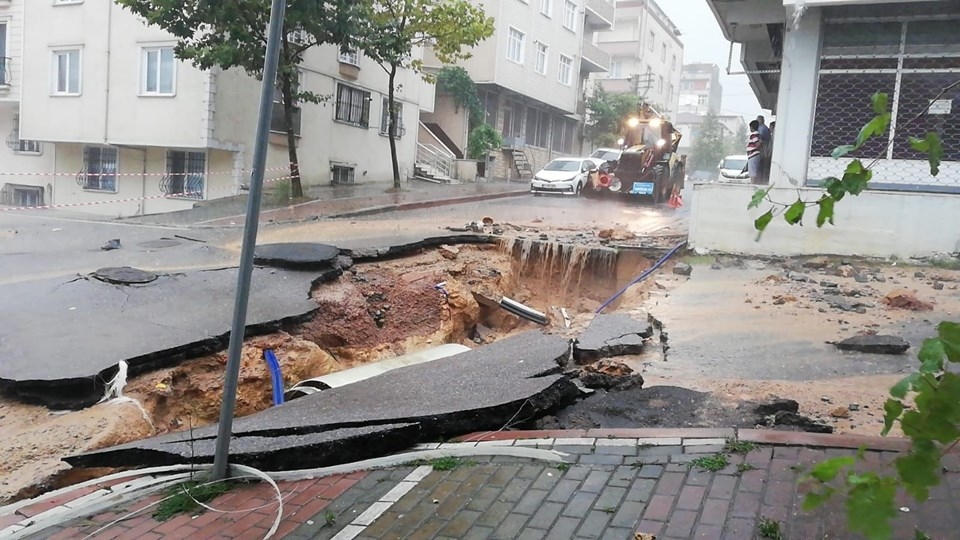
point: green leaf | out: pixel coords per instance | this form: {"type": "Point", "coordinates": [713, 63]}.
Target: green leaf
{"type": "Point", "coordinates": [826, 210]}
{"type": "Point", "coordinates": [880, 102]}
{"type": "Point", "coordinates": [900, 389]}
{"type": "Point", "coordinates": [892, 409]}
{"type": "Point", "coordinates": [931, 355]}
{"type": "Point", "coordinates": [920, 469]}
{"type": "Point", "coordinates": [794, 214]}
{"type": "Point", "coordinates": [815, 499]}
{"type": "Point", "coordinates": [871, 505]}
{"type": "Point", "coordinates": [827, 470]}
{"type": "Point", "coordinates": [856, 177]}
{"type": "Point", "coordinates": [834, 188]}
{"type": "Point", "coordinates": [758, 196]}
{"type": "Point", "coordinates": [841, 151]}
{"type": "Point", "coordinates": [875, 127]}
{"type": "Point", "coordinates": [761, 222]}
{"type": "Point", "coordinates": [932, 146]}
{"type": "Point", "coordinates": [950, 338]}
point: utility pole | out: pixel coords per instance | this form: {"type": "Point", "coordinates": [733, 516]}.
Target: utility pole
{"type": "Point", "coordinates": [225, 430]}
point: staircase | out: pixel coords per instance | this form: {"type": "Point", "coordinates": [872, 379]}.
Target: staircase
{"type": "Point", "coordinates": [442, 136]}
{"type": "Point", "coordinates": [433, 165]}
{"type": "Point", "coordinates": [521, 164]}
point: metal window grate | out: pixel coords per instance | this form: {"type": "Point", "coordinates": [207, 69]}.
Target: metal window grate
{"type": "Point", "coordinates": [99, 169]}
{"type": "Point", "coordinates": [353, 106]}
{"type": "Point", "coordinates": [343, 174]}
{"type": "Point", "coordinates": [910, 60]}
{"type": "Point", "coordinates": [186, 174]}
{"type": "Point", "coordinates": [401, 129]}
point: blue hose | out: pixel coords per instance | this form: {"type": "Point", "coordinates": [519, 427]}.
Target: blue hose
{"type": "Point", "coordinates": [275, 376]}
{"type": "Point", "coordinates": [644, 275]}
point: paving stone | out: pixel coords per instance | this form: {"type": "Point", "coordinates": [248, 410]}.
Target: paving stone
{"type": "Point", "coordinates": [609, 498]}
{"type": "Point", "coordinates": [600, 459]}
{"type": "Point", "coordinates": [495, 515]}
{"type": "Point", "coordinates": [547, 480]}
{"type": "Point", "coordinates": [530, 501]}
{"type": "Point", "coordinates": [594, 525]}
{"type": "Point", "coordinates": [510, 527]}
{"type": "Point", "coordinates": [723, 487]}
{"type": "Point", "coordinates": [681, 523]}
{"type": "Point", "coordinates": [616, 450]}
{"type": "Point", "coordinates": [563, 491]}
{"type": "Point", "coordinates": [460, 524]}
{"type": "Point", "coordinates": [545, 516]}
{"type": "Point", "coordinates": [577, 472]}
{"type": "Point", "coordinates": [641, 490]}
{"type": "Point", "coordinates": [478, 533]}
{"type": "Point", "coordinates": [579, 506]}
{"type": "Point", "coordinates": [623, 476]}
{"type": "Point", "coordinates": [515, 490]}
{"type": "Point", "coordinates": [628, 515]}
{"type": "Point", "coordinates": [532, 534]}
{"type": "Point", "coordinates": [565, 527]}
{"type": "Point", "coordinates": [650, 471]}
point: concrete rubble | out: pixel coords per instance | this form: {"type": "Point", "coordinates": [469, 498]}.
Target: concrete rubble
{"type": "Point", "coordinates": [874, 344]}
{"type": "Point", "coordinates": [611, 335]}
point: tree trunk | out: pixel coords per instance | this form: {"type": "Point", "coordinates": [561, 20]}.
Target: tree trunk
{"type": "Point", "coordinates": [392, 126]}
{"type": "Point", "coordinates": [296, 188]}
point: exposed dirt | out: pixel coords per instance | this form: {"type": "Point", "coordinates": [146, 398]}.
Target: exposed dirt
{"type": "Point", "coordinates": [373, 312]}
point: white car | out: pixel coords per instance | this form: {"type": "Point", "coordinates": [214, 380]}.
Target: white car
{"type": "Point", "coordinates": [606, 154]}
{"type": "Point", "coordinates": [733, 169]}
{"type": "Point", "coordinates": [563, 175]}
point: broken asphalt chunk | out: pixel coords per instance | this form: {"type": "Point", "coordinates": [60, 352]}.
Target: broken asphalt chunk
{"type": "Point", "coordinates": [611, 335]}
{"type": "Point", "coordinates": [880, 344]}
{"type": "Point", "coordinates": [297, 255]}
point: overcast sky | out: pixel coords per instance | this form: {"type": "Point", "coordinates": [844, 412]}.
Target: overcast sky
{"type": "Point", "coordinates": [703, 41]}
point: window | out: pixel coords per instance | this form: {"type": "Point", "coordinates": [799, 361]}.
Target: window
{"type": "Point", "coordinates": [570, 15]}
{"type": "Point", "coordinates": [546, 7]}
{"type": "Point", "coordinates": [660, 85]}
{"type": "Point", "coordinates": [652, 40]}
{"type": "Point", "coordinates": [99, 169]}
{"type": "Point", "coordinates": [538, 127]}
{"type": "Point", "coordinates": [565, 74]}
{"type": "Point", "coordinates": [278, 121]}
{"type": "Point", "coordinates": [297, 37]}
{"type": "Point", "coordinates": [353, 106]}
{"type": "Point", "coordinates": [4, 77]}
{"type": "Point", "coordinates": [350, 56]}
{"type": "Point", "coordinates": [159, 72]}
{"type": "Point", "coordinates": [542, 52]}
{"type": "Point", "coordinates": [701, 100]}
{"type": "Point", "coordinates": [66, 72]}
{"type": "Point", "coordinates": [186, 172]}
{"type": "Point", "coordinates": [342, 174]}
{"type": "Point", "coordinates": [515, 42]}
{"type": "Point", "coordinates": [385, 120]}
{"type": "Point", "coordinates": [673, 63]}
{"type": "Point", "coordinates": [670, 93]}
{"type": "Point", "coordinates": [663, 53]}
{"type": "Point", "coordinates": [22, 146]}
{"type": "Point", "coordinates": [616, 69]}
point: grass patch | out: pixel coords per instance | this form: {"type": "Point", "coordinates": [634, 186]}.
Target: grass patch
{"type": "Point", "coordinates": [712, 463]}
{"type": "Point", "coordinates": [744, 467]}
{"type": "Point", "coordinates": [734, 446]}
{"type": "Point", "coordinates": [329, 518]}
{"type": "Point", "coordinates": [770, 529]}
{"type": "Point", "coordinates": [448, 463]}
{"type": "Point", "coordinates": [920, 535]}
{"type": "Point", "coordinates": [563, 467]}
{"type": "Point", "coordinates": [183, 498]}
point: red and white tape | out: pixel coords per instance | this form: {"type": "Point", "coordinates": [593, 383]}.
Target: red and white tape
{"type": "Point", "coordinates": [140, 174]}
{"type": "Point", "coordinates": [179, 196]}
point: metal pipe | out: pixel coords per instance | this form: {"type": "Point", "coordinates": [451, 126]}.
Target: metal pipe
{"type": "Point", "coordinates": [643, 276]}
{"type": "Point", "coordinates": [231, 378]}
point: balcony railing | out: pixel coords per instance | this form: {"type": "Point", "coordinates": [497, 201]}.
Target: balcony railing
{"type": "Point", "coordinates": [600, 14]}
{"type": "Point", "coordinates": [277, 123]}
{"type": "Point", "coordinates": [593, 60]}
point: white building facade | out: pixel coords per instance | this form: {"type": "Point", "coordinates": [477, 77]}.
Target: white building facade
{"type": "Point", "coordinates": [646, 54]}
{"type": "Point", "coordinates": [700, 89]}
{"type": "Point", "coordinates": [816, 64]}
{"type": "Point", "coordinates": [125, 128]}
{"type": "Point", "coordinates": [531, 76]}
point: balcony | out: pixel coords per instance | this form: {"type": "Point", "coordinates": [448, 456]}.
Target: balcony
{"type": "Point", "coordinates": [277, 124]}
{"type": "Point", "coordinates": [600, 14]}
{"type": "Point", "coordinates": [593, 60]}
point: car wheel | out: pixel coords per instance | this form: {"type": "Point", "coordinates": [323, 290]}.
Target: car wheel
{"type": "Point", "coordinates": [579, 190]}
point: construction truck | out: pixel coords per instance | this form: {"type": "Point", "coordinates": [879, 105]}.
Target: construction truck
{"type": "Point", "coordinates": [648, 165]}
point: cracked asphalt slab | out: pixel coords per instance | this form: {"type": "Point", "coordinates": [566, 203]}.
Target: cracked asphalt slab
{"type": "Point", "coordinates": [93, 323]}
{"type": "Point", "coordinates": [506, 383]}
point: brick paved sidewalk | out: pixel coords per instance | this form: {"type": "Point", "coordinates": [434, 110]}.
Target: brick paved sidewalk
{"type": "Point", "coordinates": [610, 486]}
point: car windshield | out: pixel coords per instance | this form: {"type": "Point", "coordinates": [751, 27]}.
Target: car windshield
{"type": "Point", "coordinates": [562, 165]}
{"type": "Point", "coordinates": [734, 164]}
{"type": "Point", "coordinates": [606, 155]}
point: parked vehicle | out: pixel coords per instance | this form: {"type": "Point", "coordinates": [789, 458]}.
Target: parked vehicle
{"type": "Point", "coordinates": [566, 176]}
{"type": "Point", "coordinates": [733, 168]}
{"type": "Point", "coordinates": [606, 154]}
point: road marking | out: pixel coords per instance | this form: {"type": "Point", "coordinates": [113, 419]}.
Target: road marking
{"type": "Point", "coordinates": [377, 509]}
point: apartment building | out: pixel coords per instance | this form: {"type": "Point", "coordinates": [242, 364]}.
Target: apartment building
{"type": "Point", "coordinates": [700, 89]}
{"type": "Point", "coordinates": [125, 128]}
{"type": "Point", "coordinates": [531, 74]}
{"type": "Point", "coordinates": [646, 53]}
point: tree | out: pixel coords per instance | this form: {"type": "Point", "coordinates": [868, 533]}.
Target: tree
{"type": "Point", "coordinates": [606, 114]}
{"type": "Point", "coordinates": [738, 143]}
{"type": "Point", "coordinates": [455, 81]}
{"type": "Point", "coordinates": [394, 28]}
{"type": "Point", "coordinates": [709, 145]}
{"type": "Point", "coordinates": [234, 34]}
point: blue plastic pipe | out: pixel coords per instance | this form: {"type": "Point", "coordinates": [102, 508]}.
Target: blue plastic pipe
{"type": "Point", "coordinates": [275, 376]}
{"type": "Point", "coordinates": [644, 275]}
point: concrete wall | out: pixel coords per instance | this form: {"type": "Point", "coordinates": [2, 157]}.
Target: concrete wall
{"type": "Point", "coordinates": [877, 223]}
{"type": "Point", "coordinates": [452, 121]}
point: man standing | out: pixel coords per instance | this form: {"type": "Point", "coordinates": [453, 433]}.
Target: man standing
{"type": "Point", "coordinates": [753, 154]}
{"type": "Point", "coordinates": [766, 148]}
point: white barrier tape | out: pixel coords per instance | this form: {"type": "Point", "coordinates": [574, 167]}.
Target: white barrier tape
{"type": "Point", "coordinates": [140, 174]}
{"type": "Point", "coordinates": [179, 196]}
